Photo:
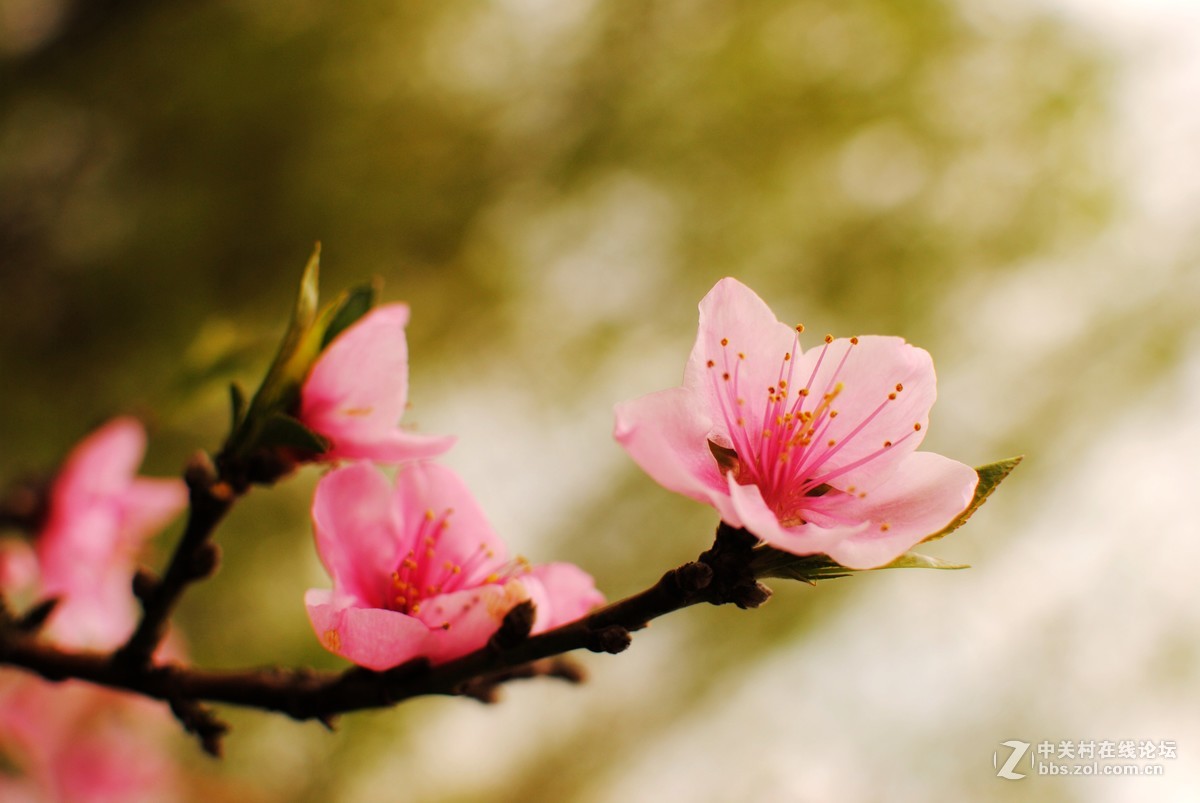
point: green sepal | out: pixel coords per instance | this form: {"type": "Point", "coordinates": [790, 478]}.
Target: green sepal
{"type": "Point", "coordinates": [914, 560]}
{"type": "Point", "coordinates": [347, 310]}
{"type": "Point", "coordinates": [237, 405]}
{"type": "Point", "coordinates": [771, 562]}
{"type": "Point", "coordinates": [990, 476]}
{"type": "Point", "coordinates": [283, 431]}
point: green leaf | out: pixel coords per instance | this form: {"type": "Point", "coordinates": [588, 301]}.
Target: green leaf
{"type": "Point", "coordinates": [347, 310]}
{"type": "Point", "coordinates": [771, 562]}
{"type": "Point", "coordinates": [281, 430]}
{"type": "Point", "coordinates": [990, 476]}
{"type": "Point", "coordinates": [237, 405]}
{"type": "Point", "coordinates": [281, 385]}
{"type": "Point", "coordinates": [913, 560]}
{"type": "Point", "coordinates": [305, 311]}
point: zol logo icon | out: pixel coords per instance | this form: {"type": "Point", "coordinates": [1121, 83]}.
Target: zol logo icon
{"type": "Point", "coordinates": [1018, 751]}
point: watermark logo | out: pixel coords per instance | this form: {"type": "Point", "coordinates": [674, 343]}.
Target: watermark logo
{"type": "Point", "coordinates": [1018, 749]}
{"type": "Point", "coordinates": [1083, 757]}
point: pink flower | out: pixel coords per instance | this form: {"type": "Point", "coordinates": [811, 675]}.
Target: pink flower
{"type": "Point", "coordinates": [100, 514]}
{"type": "Point", "coordinates": [418, 571]}
{"type": "Point", "coordinates": [812, 452]}
{"type": "Point", "coordinates": [357, 390]}
{"type": "Point", "coordinates": [75, 743]}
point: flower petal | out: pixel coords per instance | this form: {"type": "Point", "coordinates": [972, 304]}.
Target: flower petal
{"type": "Point", "coordinates": [462, 622]}
{"type": "Point", "coordinates": [734, 313]}
{"type": "Point", "coordinates": [805, 539]}
{"type": "Point", "coordinates": [922, 496]}
{"type": "Point", "coordinates": [356, 527]}
{"type": "Point", "coordinates": [372, 637]}
{"type": "Point", "coordinates": [426, 491]}
{"type": "Point", "coordinates": [357, 390]}
{"type": "Point", "coordinates": [884, 389]}
{"type": "Point", "coordinates": [148, 505]}
{"type": "Point", "coordinates": [666, 433]}
{"type": "Point", "coordinates": [102, 464]}
{"type": "Point", "coordinates": [561, 593]}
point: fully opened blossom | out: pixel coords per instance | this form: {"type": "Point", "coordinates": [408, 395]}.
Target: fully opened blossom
{"type": "Point", "coordinates": [357, 391]}
{"type": "Point", "coordinates": [417, 570]}
{"type": "Point", "coordinates": [813, 452]}
{"type": "Point", "coordinates": [100, 515]}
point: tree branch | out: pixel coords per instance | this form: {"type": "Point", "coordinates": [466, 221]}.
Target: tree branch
{"type": "Point", "coordinates": [195, 558]}
{"type": "Point", "coordinates": [720, 575]}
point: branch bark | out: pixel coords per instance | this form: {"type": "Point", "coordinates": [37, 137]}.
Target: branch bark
{"type": "Point", "coordinates": [720, 575]}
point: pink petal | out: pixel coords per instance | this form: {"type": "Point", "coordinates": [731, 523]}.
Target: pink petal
{"type": "Point", "coordinates": [356, 527]}
{"type": "Point", "coordinates": [102, 464]}
{"type": "Point", "coordinates": [425, 490]}
{"type": "Point", "coordinates": [462, 622]}
{"type": "Point", "coordinates": [923, 496]}
{"type": "Point", "coordinates": [869, 373]}
{"type": "Point", "coordinates": [561, 593]}
{"type": "Point", "coordinates": [18, 568]}
{"type": "Point", "coordinates": [666, 433]}
{"type": "Point", "coordinates": [734, 313]}
{"type": "Point", "coordinates": [372, 637]}
{"type": "Point", "coordinates": [357, 390]}
{"type": "Point", "coordinates": [393, 446]}
{"type": "Point", "coordinates": [806, 539]}
{"type": "Point", "coordinates": [148, 505]}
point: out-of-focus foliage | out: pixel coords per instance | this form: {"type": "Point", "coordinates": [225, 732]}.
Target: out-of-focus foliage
{"type": "Point", "coordinates": [552, 186]}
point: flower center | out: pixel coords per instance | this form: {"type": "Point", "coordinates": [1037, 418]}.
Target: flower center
{"type": "Point", "coordinates": [782, 437]}
{"type": "Point", "coordinates": [425, 572]}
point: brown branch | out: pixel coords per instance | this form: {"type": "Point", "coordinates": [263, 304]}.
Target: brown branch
{"type": "Point", "coordinates": [721, 575]}
{"type": "Point", "coordinates": [195, 558]}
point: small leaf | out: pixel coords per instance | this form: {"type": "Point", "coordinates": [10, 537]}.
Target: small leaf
{"type": "Point", "coordinates": [347, 310]}
{"type": "Point", "coordinates": [913, 560]}
{"type": "Point", "coordinates": [281, 385]}
{"type": "Point", "coordinates": [771, 562]}
{"type": "Point", "coordinates": [306, 300]}
{"type": "Point", "coordinates": [237, 405]}
{"type": "Point", "coordinates": [280, 430]}
{"type": "Point", "coordinates": [990, 476]}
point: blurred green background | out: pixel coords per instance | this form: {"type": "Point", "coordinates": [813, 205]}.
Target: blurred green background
{"type": "Point", "coordinates": [553, 186]}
